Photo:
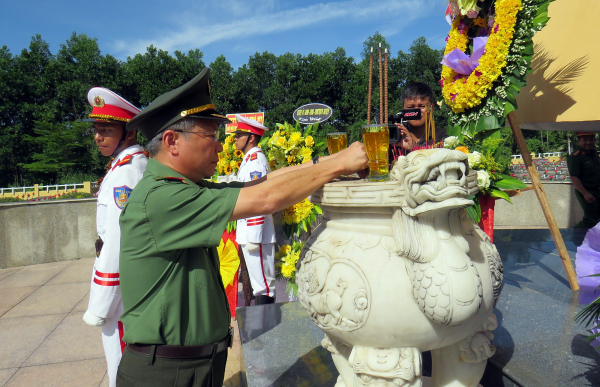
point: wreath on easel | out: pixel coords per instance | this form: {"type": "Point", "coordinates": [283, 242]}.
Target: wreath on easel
{"type": "Point", "coordinates": [487, 58]}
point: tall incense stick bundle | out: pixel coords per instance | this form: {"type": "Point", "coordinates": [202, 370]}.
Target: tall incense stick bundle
{"type": "Point", "coordinates": [380, 88]}
{"type": "Point", "coordinates": [370, 87]}
{"type": "Point", "coordinates": [386, 87]}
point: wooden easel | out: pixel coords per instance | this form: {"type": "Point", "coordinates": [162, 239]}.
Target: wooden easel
{"type": "Point", "coordinates": [543, 199]}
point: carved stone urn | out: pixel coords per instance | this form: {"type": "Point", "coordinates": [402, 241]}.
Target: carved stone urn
{"type": "Point", "coordinates": [397, 268]}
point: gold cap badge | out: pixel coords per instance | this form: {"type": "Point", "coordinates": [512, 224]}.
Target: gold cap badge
{"type": "Point", "coordinates": [98, 101]}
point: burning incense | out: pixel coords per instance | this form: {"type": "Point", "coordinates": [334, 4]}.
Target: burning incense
{"type": "Point", "coordinates": [370, 87]}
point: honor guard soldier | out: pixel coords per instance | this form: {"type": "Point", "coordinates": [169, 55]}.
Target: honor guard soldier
{"type": "Point", "coordinates": [256, 235]}
{"type": "Point", "coordinates": [176, 314]}
{"type": "Point", "coordinates": [110, 114]}
{"type": "Point", "coordinates": [584, 168]}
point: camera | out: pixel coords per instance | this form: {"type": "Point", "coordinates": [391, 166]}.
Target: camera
{"type": "Point", "coordinates": [401, 118]}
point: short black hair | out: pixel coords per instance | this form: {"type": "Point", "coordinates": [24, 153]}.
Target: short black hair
{"type": "Point", "coordinates": [415, 90]}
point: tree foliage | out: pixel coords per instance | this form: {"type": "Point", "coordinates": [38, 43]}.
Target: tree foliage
{"type": "Point", "coordinates": [43, 96]}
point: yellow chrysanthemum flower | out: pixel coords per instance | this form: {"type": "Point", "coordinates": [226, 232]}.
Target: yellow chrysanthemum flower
{"type": "Point", "coordinates": [295, 138]}
{"type": "Point", "coordinates": [287, 270]}
{"type": "Point", "coordinates": [285, 249]}
{"type": "Point", "coordinates": [306, 154]}
{"type": "Point", "coordinates": [309, 141]}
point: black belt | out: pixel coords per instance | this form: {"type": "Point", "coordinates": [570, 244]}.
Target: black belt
{"type": "Point", "coordinates": [184, 351]}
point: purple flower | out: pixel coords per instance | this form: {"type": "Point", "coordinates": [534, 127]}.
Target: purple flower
{"type": "Point", "coordinates": [478, 73]}
{"type": "Point", "coordinates": [441, 82]}
{"type": "Point", "coordinates": [453, 96]}
{"type": "Point", "coordinates": [496, 28]}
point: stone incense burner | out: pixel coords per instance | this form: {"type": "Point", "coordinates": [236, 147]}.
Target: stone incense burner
{"type": "Point", "coordinates": [397, 268]}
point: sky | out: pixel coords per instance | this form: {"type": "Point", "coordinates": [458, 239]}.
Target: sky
{"type": "Point", "coordinates": [236, 29]}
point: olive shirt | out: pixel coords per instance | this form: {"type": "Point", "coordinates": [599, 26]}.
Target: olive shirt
{"type": "Point", "coordinates": [170, 279]}
{"type": "Point", "coordinates": [586, 166]}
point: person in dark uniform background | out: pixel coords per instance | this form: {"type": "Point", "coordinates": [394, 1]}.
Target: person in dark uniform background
{"type": "Point", "coordinates": [176, 314]}
{"type": "Point", "coordinates": [584, 168]}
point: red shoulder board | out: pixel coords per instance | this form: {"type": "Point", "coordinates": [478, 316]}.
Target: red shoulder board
{"type": "Point", "coordinates": [123, 161]}
{"type": "Point", "coordinates": [170, 178]}
{"type": "Point", "coordinates": [253, 156]}
{"type": "Point", "coordinates": [126, 159]}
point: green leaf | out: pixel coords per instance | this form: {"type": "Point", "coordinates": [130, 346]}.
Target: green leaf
{"type": "Point", "coordinates": [508, 107]}
{"type": "Point", "coordinates": [454, 130]}
{"type": "Point", "coordinates": [516, 82]}
{"type": "Point", "coordinates": [474, 214]}
{"type": "Point", "coordinates": [496, 193]}
{"type": "Point", "coordinates": [508, 182]}
{"type": "Point", "coordinates": [318, 210]}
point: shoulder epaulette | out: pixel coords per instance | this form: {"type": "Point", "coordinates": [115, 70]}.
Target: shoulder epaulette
{"type": "Point", "coordinates": [170, 178]}
{"type": "Point", "coordinates": [576, 153]}
{"type": "Point", "coordinates": [126, 159]}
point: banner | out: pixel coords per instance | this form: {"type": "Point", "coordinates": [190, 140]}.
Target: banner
{"type": "Point", "coordinates": [260, 117]}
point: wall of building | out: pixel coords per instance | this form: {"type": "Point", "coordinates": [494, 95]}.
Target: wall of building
{"type": "Point", "coordinates": [33, 233]}
{"type": "Point", "coordinates": [527, 212]}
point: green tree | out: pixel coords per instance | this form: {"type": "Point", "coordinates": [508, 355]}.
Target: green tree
{"type": "Point", "coordinates": [64, 148]}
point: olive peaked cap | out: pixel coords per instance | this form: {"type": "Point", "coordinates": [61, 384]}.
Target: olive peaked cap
{"type": "Point", "coordinates": [190, 100]}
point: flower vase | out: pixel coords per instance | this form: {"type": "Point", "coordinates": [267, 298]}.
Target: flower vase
{"type": "Point", "coordinates": [487, 203]}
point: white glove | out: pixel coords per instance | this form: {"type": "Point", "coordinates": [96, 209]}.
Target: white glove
{"type": "Point", "coordinates": [93, 320]}
{"type": "Point", "coordinates": [252, 248]}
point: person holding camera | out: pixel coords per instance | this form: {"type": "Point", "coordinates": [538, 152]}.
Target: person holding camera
{"type": "Point", "coordinates": [416, 95]}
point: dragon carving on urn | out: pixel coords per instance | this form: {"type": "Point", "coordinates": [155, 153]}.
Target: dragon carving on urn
{"type": "Point", "coordinates": [397, 268]}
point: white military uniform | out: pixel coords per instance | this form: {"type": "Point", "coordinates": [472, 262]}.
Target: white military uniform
{"type": "Point", "coordinates": [125, 172]}
{"type": "Point", "coordinates": [259, 230]}
{"type": "Point", "coordinates": [105, 294]}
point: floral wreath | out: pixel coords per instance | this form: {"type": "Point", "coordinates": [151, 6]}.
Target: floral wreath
{"type": "Point", "coordinates": [481, 100]}
{"type": "Point", "coordinates": [462, 92]}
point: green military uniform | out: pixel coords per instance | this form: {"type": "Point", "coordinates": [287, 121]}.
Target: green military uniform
{"type": "Point", "coordinates": [176, 315]}
{"type": "Point", "coordinates": [586, 166]}
{"type": "Point", "coordinates": [170, 280]}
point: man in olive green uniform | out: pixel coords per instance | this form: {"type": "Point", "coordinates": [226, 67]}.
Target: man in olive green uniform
{"type": "Point", "coordinates": [176, 315]}
{"type": "Point", "coordinates": [584, 168]}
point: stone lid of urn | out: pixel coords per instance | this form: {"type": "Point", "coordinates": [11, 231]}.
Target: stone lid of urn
{"type": "Point", "coordinates": [424, 180]}
{"type": "Point", "coordinates": [359, 193]}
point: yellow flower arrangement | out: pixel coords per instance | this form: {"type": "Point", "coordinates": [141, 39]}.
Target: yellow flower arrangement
{"type": "Point", "coordinates": [462, 92]}
{"type": "Point", "coordinates": [286, 259]}
{"type": "Point", "coordinates": [288, 146]}
{"type": "Point", "coordinates": [230, 158]}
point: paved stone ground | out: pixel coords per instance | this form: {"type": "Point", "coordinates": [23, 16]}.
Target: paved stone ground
{"type": "Point", "coordinates": [43, 339]}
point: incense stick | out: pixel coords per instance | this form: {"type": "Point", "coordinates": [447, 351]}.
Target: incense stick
{"type": "Point", "coordinates": [370, 87]}
{"type": "Point", "coordinates": [380, 88]}
{"type": "Point", "coordinates": [386, 87]}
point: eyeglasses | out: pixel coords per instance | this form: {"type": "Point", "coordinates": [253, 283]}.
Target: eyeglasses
{"type": "Point", "coordinates": [215, 134]}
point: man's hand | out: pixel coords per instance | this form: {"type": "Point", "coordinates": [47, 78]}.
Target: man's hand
{"type": "Point", "coordinates": [93, 320]}
{"type": "Point", "coordinates": [252, 248]}
{"type": "Point", "coordinates": [589, 198]}
{"type": "Point", "coordinates": [353, 159]}
{"type": "Point", "coordinates": [407, 139]}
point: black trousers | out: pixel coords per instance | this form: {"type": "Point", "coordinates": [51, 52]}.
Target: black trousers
{"type": "Point", "coordinates": [591, 211]}
{"type": "Point", "coordinates": [137, 370]}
